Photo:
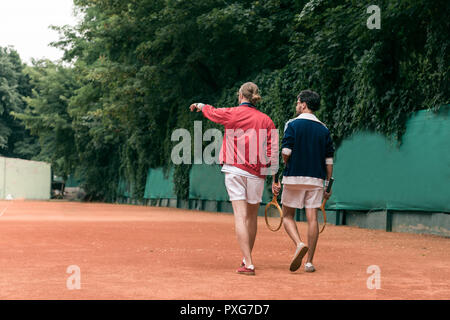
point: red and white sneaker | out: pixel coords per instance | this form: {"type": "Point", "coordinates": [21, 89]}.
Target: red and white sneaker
{"type": "Point", "coordinates": [250, 271]}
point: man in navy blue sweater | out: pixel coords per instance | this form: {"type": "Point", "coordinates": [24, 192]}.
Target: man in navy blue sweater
{"type": "Point", "coordinates": [307, 151]}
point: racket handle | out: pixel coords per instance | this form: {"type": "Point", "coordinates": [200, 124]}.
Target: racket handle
{"type": "Point", "coordinates": [276, 177]}
{"type": "Point", "coordinates": [330, 183]}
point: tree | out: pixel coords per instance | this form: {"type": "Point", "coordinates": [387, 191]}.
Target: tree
{"type": "Point", "coordinates": [47, 115]}
{"type": "Point", "coordinates": [137, 65]}
{"type": "Point", "coordinates": [15, 140]}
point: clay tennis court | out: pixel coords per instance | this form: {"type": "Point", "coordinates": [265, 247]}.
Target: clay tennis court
{"type": "Point", "coordinates": [140, 252]}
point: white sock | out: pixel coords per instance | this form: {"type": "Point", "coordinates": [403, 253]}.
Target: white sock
{"type": "Point", "coordinates": [250, 266]}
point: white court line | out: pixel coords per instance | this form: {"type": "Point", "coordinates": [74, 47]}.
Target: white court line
{"type": "Point", "coordinates": [4, 210]}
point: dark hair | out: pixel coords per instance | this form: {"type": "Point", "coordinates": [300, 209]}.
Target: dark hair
{"type": "Point", "coordinates": [311, 98]}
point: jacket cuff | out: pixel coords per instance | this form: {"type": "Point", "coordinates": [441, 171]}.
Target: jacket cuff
{"type": "Point", "coordinates": [200, 106]}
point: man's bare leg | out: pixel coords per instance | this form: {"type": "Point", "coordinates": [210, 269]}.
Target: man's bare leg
{"type": "Point", "coordinates": [291, 228]}
{"type": "Point", "coordinates": [290, 225]}
{"type": "Point", "coordinates": [252, 223]}
{"type": "Point", "coordinates": [313, 231]}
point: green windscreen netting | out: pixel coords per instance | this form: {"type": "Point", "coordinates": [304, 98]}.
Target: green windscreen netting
{"type": "Point", "coordinates": [372, 172]}
{"type": "Point", "coordinates": [207, 182]}
{"type": "Point", "coordinates": [72, 182]}
{"type": "Point", "coordinates": [159, 184]}
{"type": "Point", "coordinates": [124, 189]}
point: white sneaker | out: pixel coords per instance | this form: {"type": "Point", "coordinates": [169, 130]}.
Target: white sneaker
{"type": "Point", "coordinates": [302, 249]}
{"type": "Point", "coordinates": [309, 267]}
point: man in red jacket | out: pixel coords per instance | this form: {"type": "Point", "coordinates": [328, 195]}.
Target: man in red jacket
{"type": "Point", "coordinates": [249, 153]}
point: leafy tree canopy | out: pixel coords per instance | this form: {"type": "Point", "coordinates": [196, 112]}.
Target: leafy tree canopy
{"type": "Point", "coordinates": [137, 65]}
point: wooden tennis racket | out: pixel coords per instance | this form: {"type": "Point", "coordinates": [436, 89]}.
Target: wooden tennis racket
{"type": "Point", "coordinates": [322, 207]}
{"type": "Point", "coordinates": [273, 213]}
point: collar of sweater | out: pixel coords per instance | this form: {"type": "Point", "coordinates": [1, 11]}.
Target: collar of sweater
{"type": "Point", "coordinates": [310, 116]}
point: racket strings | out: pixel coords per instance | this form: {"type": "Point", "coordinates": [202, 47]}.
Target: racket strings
{"type": "Point", "coordinates": [273, 212]}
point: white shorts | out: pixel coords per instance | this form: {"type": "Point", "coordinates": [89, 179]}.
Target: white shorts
{"type": "Point", "coordinates": [301, 196]}
{"type": "Point", "coordinates": [243, 188]}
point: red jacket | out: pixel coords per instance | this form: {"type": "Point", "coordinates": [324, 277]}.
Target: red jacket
{"type": "Point", "coordinates": [250, 141]}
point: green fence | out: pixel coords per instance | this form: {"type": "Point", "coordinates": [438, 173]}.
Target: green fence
{"type": "Point", "coordinates": [159, 184]}
{"type": "Point", "coordinates": [380, 183]}
{"type": "Point", "coordinates": [124, 189]}
{"type": "Point", "coordinates": [207, 182]}
{"type": "Point", "coordinates": [373, 173]}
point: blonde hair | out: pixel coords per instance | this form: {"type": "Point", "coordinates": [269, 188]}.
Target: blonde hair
{"type": "Point", "coordinates": [251, 92]}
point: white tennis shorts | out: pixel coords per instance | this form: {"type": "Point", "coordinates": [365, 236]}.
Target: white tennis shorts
{"type": "Point", "coordinates": [243, 188]}
{"type": "Point", "coordinates": [301, 196]}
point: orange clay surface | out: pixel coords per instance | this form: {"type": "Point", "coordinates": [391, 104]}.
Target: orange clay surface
{"type": "Point", "coordinates": [139, 252]}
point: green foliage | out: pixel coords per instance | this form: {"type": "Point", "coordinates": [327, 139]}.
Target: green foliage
{"type": "Point", "coordinates": [181, 181]}
{"type": "Point", "coordinates": [15, 140]}
{"type": "Point", "coordinates": [47, 114]}
{"type": "Point", "coordinates": [142, 63]}
{"type": "Point", "coordinates": [369, 79]}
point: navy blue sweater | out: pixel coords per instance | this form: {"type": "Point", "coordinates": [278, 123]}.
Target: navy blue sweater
{"type": "Point", "coordinates": [311, 144]}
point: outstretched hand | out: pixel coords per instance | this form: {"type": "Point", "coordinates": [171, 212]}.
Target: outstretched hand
{"type": "Point", "coordinates": [196, 106]}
